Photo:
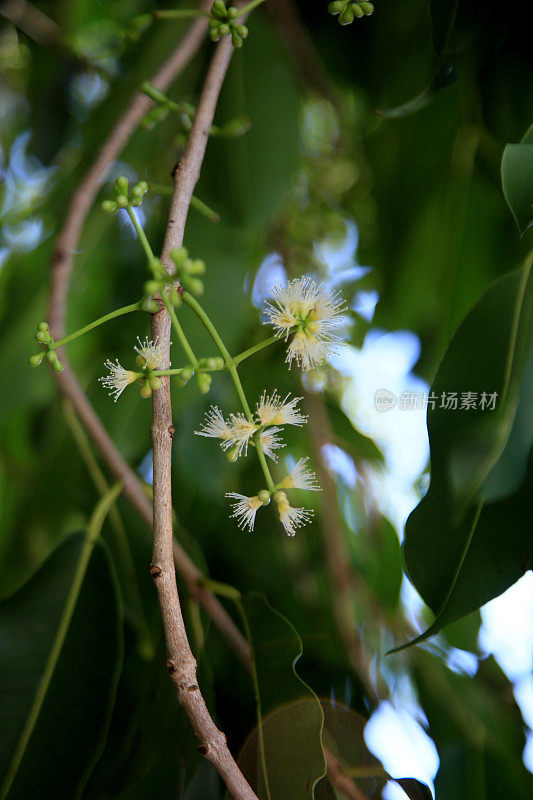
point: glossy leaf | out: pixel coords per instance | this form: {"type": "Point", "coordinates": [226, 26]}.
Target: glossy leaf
{"type": "Point", "coordinates": [517, 180]}
{"type": "Point", "coordinates": [55, 743]}
{"type": "Point", "coordinates": [468, 539]}
{"type": "Point", "coordinates": [290, 711]}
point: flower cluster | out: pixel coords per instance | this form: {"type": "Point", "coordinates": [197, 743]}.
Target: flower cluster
{"type": "Point", "coordinates": [149, 358]}
{"type": "Point", "coordinates": [311, 311]}
{"type": "Point", "coordinates": [42, 335]}
{"type": "Point", "coordinates": [124, 195]}
{"type": "Point", "coordinates": [223, 22]}
{"type": "Point", "coordinates": [349, 10]}
{"type": "Point", "coordinates": [262, 430]}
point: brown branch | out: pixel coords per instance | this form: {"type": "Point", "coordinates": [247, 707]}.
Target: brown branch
{"type": "Point", "coordinates": [63, 262]}
{"type": "Point", "coordinates": [181, 662]}
{"type": "Point", "coordinates": [340, 780]}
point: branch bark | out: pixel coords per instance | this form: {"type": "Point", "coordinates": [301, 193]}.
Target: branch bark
{"type": "Point", "coordinates": [181, 663]}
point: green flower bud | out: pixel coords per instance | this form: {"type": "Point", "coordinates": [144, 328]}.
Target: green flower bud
{"type": "Point", "coordinates": [122, 201]}
{"type": "Point", "coordinates": [242, 30]}
{"type": "Point", "coordinates": [146, 389]}
{"type": "Point", "coordinates": [224, 29]}
{"type": "Point", "coordinates": [150, 305]}
{"type": "Point", "coordinates": [193, 285]}
{"type": "Point", "coordinates": [195, 267]}
{"type": "Point", "coordinates": [264, 496]}
{"type": "Point", "coordinates": [57, 366]}
{"type": "Point", "coordinates": [109, 206]}
{"type": "Point", "coordinates": [214, 363]}
{"type": "Point", "coordinates": [235, 39]}
{"type": "Point", "coordinates": [214, 35]}
{"type": "Point", "coordinates": [140, 188]}
{"type": "Point", "coordinates": [233, 12]}
{"type": "Point", "coordinates": [179, 256]}
{"type": "Point", "coordinates": [42, 336]}
{"type": "Point", "coordinates": [51, 356]}
{"type": "Point", "coordinates": [184, 376]}
{"type": "Point", "coordinates": [36, 359]}
{"type": "Point", "coordinates": [175, 297]}
{"type": "Point", "coordinates": [367, 8]}
{"type": "Point", "coordinates": [43, 326]}
{"type": "Point", "coordinates": [121, 186]}
{"type": "Point", "coordinates": [204, 382]}
{"type": "Point", "coordinates": [219, 10]}
{"type": "Point", "coordinates": [347, 16]}
{"type": "Point", "coordinates": [336, 7]}
{"type": "Point", "coordinates": [155, 382]}
{"type": "Point", "coordinates": [151, 287]}
{"type": "Point", "coordinates": [233, 454]}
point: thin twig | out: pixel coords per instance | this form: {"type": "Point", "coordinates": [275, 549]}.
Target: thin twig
{"type": "Point", "coordinates": [181, 662]}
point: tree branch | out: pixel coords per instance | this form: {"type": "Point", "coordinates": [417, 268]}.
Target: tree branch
{"type": "Point", "coordinates": [181, 662]}
{"type": "Point", "coordinates": [63, 262]}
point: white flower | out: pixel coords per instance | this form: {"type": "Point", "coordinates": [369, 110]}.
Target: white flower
{"type": "Point", "coordinates": [270, 441]}
{"type": "Point", "coordinates": [150, 354]}
{"type": "Point", "coordinates": [118, 378]}
{"type": "Point", "coordinates": [215, 425]}
{"type": "Point", "coordinates": [291, 518]}
{"type": "Point", "coordinates": [244, 510]}
{"type": "Point", "coordinates": [273, 410]}
{"type": "Point", "coordinates": [242, 430]}
{"type": "Point", "coordinates": [311, 311]}
{"type": "Point", "coordinates": [301, 477]}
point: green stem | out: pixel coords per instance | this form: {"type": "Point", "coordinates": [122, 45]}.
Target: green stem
{"type": "Point", "coordinates": [132, 585]}
{"type": "Point", "coordinates": [185, 13]}
{"type": "Point", "coordinates": [199, 205]}
{"type": "Point", "coordinates": [255, 349]}
{"type": "Point", "coordinates": [250, 7]}
{"type": "Point", "coordinates": [93, 531]}
{"type": "Point", "coordinates": [100, 321]}
{"type": "Point", "coordinates": [142, 236]}
{"type": "Point", "coordinates": [164, 296]}
{"type": "Point", "coordinates": [257, 695]}
{"type": "Point", "coordinates": [232, 369]}
{"type": "Point", "coordinates": [179, 330]}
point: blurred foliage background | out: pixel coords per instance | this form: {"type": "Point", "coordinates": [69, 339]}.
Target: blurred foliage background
{"type": "Point", "coordinates": [334, 175]}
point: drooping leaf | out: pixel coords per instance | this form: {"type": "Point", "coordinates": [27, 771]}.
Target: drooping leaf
{"type": "Point", "coordinates": [517, 180]}
{"type": "Point", "coordinates": [290, 715]}
{"type": "Point", "coordinates": [468, 540]}
{"type": "Point", "coordinates": [355, 443]}
{"type": "Point", "coordinates": [477, 728]}
{"type": "Point", "coordinates": [53, 722]}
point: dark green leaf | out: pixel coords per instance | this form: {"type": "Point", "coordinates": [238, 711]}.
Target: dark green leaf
{"type": "Point", "coordinates": [291, 714]}
{"type": "Point", "coordinates": [66, 731]}
{"type": "Point", "coordinates": [466, 542]}
{"type": "Point", "coordinates": [517, 180]}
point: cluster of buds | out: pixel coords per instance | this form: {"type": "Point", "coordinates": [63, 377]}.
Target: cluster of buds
{"type": "Point", "coordinates": [309, 312]}
{"type": "Point", "coordinates": [42, 335]}
{"type": "Point", "coordinates": [348, 10]}
{"type": "Point", "coordinates": [223, 22]}
{"type": "Point", "coordinates": [262, 430]}
{"type": "Point", "coordinates": [188, 270]}
{"type": "Point", "coordinates": [149, 359]}
{"type": "Point", "coordinates": [124, 196]}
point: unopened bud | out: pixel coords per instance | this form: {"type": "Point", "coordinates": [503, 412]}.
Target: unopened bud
{"type": "Point", "coordinates": [51, 356]}
{"type": "Point", "coordinates": [57, 366]}
{"type": "Point", "coordinates": [150, 305]}
{"type": "Point", "coordinates": [109, 206]}
{"type": "Point", "coordinates": [121, 186]}
{"type": "Point", "coordinates": [42, 336]}
{"type": "Point", "coordinates": [42, 326]}
{"type": "Point", "coordinates": [122, 201]}
{"type": "Point", "coordinates": [184, 376]}
{"type": "Point", "coordinates": [36, 359]}
{"type": "Point", "coordinates": [367, 8]}
{"type": "Point", "coordinates": [175, 297]}
{"type": "Point", "coordinates": [193, 285]}
{"type": "Point", "coordinates": [195, 267]}
{"type": "Point", "coordinates": [242, 30]}
{"type": "Point", "coordinates": [219, 10]}
{"type": "Point", "coordinates": [236, 39]}
{"type": "Point", "coordinates": [155, 382]}
{"type": "Point", "coordinates": [204, 382]}
{"type": "Point", "coordinates": [347, 16]}
{"type": "Point", "coordinates": [264, 496]}
{"type": "Point", "coordinates": [151, 287]}
{"type": "Point", "coordinates": [336, 7]}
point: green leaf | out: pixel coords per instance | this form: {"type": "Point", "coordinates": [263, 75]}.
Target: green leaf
{"type": "Point", "coordinates": [477, 729]}
{"type": "Point", "coordinates": [517, 180]}
{"type": "Point", "coordinates": [58, 674]}
{"type": "Point", "coordinates": [359, 446]}
{"type": "Point", "coordinates": [468, 540]}
{"type": "Point", "coordinates": [290, 715]}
